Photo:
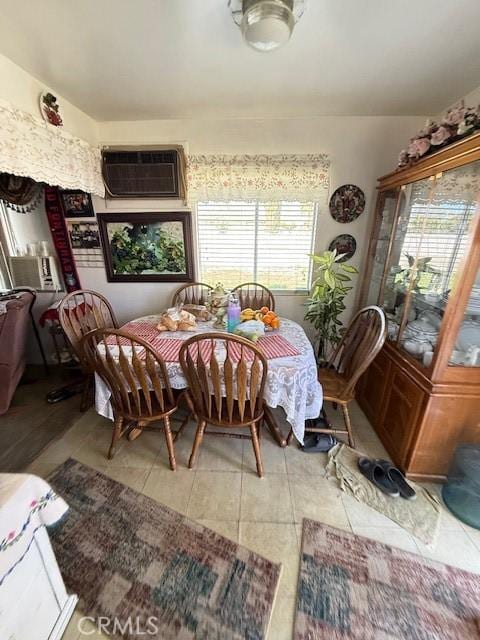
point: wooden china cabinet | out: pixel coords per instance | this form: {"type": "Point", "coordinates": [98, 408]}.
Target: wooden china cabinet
{"type": "Point", "coordinates": [422, 392]}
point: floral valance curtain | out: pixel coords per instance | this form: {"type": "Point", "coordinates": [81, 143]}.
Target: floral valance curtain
{"type": "Point", "coordinates": [252, 177]}
{"type": "Point", "coordinates": [32, 148]}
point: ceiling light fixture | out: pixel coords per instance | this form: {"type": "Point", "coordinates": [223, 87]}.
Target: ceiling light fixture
{"type": "Point", "coordinates": [266, 24]}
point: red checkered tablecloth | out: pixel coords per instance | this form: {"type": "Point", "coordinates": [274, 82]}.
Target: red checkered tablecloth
{"type": "Point", "coordinates": [272, 346]}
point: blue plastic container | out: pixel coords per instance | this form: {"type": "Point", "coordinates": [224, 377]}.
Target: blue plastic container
{"type": "Point", "coordinates": [461, 492]}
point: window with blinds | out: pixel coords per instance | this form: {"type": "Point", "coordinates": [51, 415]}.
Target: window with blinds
{"type": "Point", "coordinates": [266, 242]}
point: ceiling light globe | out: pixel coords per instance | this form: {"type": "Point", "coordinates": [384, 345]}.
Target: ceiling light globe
{"type": "Point", "coordinates": [267, 24]}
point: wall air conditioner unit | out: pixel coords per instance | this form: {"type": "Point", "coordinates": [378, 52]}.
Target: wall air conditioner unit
{"type": "Point", "coordinates": [144, 173]}
{"type": "Point", "coordinates": [34, 271]}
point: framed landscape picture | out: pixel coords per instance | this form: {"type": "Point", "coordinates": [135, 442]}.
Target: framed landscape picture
{"type": "Point", "coordinates": [147, 247]}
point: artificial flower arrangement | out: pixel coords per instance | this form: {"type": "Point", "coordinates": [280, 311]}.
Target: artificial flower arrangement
{"type": "Point", "coordinates": [459, 122]}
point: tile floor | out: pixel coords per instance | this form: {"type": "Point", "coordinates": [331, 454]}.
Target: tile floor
{"type": "Point", "coordinates": [265, 515]}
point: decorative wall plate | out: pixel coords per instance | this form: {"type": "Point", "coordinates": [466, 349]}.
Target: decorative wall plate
{"type": "Point", "coordinates": [347, 203]}
{"type": "Point", "coordinates": [50, 109]}
{"type": "Point", "coordinates": [344, 243]}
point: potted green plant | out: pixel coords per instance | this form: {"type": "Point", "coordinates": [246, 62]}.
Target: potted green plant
{"type": "Point", "coordinates": [332, 276]}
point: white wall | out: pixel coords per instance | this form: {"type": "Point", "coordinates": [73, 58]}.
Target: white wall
{"type": "Point", "coordinates": [360, 150]}
{"type": "Point", "coordinates": [22, 90]}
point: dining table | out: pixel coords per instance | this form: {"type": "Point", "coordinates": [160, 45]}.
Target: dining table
{"type": "Point", "coordinates": [292, 380]}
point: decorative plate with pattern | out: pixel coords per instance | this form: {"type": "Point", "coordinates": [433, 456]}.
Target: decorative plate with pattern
{"type": "Point", "coordinates": [344, 243]}
{"type": "Point", "coordinates": [50, 109]}
{"type": "Point", "coordinates": [347, 203]}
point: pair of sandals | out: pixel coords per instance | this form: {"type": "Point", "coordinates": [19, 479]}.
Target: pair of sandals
{"type": "Point", "coordinates": [386, 477]}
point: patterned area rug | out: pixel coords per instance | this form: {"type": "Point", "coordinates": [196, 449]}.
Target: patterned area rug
{"type": "Point", "coordinates": [152, 572]}
{"type": "Point", "coordinates": [420, 517]}
{"type": "Point", "coordinates": [354, 588]}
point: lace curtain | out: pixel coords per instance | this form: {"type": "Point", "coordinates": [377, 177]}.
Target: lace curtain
{"type": "Point", "coordinates": [247, 177]}
{"type": "Point", "coordinates": [30, 147]}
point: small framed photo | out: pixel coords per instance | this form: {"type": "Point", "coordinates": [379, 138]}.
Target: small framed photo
{"type": "Point", "coordinates": [77, 204]}
{"type": "Point", "coordinates": [147, 247]}
{"type": "Point", "coordinates": [84, 235]}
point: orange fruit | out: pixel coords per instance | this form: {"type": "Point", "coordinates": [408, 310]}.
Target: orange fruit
{"type": "Point", "coordinates": [265, 310]}
{"type": "Point", "coordinates": [275, 324]}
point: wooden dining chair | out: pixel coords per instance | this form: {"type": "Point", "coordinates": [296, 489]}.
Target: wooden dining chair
{"type": "Point", "coordinates": [138, 381]}
{"type": "Point", "coordinates": [358, 347]}
{"type": "Point", "coordinates": [226, 391]}
{"type": "Point", "coordinates": [195, 293]}
{"type": "Point", "coordinates": [79, 312]}
{"type": "Point", "coordinates": [254, 296]}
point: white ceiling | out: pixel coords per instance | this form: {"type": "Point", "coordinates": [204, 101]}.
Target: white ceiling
{"type": "Point", "coordinates": [142, 59]}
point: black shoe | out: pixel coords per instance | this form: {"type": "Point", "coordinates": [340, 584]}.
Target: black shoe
{"type": "Point", "coordinates": [316, 423]}
{"type": "Point", "coordinates": [398, 479]}
{"type": "Point", "coordinates": [378, 476]}
{"type": "Point", "coordinates": [318, 442]}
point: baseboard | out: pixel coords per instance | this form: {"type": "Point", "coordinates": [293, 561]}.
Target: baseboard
{"type": "Point", "coordinates": [425, 477]}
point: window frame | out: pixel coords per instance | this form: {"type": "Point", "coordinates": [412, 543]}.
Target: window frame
{"type": "Point", "coordinates": [7, 247]}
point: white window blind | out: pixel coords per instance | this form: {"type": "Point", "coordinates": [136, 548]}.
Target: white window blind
{"type": "Point", "coordinates": [265, 242]}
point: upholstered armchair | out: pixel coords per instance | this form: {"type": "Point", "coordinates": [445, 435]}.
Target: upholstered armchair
{"type": "Point", "coordinates": [14, 323]}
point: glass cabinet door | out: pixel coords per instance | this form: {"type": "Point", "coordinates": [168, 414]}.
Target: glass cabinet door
{"type": "Point", "coordinates": [466, 350]}
{"type": "Point", "coordinates": [381, 242]}
{"type": "Point", "coordinates": [431, 238]}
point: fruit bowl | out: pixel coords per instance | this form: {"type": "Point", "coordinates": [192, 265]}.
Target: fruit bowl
{"type": "Point", "coordinates": [265, 315]}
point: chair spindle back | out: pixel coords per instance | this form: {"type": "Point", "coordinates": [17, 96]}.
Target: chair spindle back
{"type": "Point", "coordinates": [195, 293]}
{"type": "Point", "coordinates": [82, 311]}
{"type": "Point", "coordinates": [254, 295]}
{"type": "Point", "coordinates": [360, 344]}
{"type": "Point", "coordinates": [228, 390]}
{"type": "Point", "coordinates": [135, 374]}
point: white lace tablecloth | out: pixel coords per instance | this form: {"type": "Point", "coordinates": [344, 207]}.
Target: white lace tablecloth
{"type": "Point", "coordinates": [291, 381]}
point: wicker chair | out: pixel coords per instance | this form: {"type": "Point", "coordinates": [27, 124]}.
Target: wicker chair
{"type": "Point", "coordinates": [358, 347]}
{"type": "Point", "coordinates": [195, 293]}
{"type": "Point", "coordinates": [254, 295]}
{"type": "Point", "coordinates": [226, 394]}
{"type": "Point", "coordinates": [79, 312]}
{"type": "Point", "coordinates": [138, 381]}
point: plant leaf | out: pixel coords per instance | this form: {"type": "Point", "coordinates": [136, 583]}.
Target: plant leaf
{"type": "Point", "coordinates": [348, 268]}
{"type": "Point", "coordinates": [329, 279]}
